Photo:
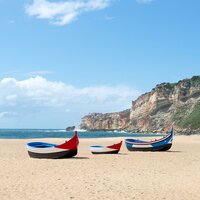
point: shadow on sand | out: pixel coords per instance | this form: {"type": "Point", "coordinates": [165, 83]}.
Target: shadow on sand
{"type": "Point", "coordinates": [164, 151]}
{"type": "Point", "coordinates": [80, 158]}
{"type": "Point", "coordinates": [174, 151]}
{"type": "Point", "coordinates": [154, 152]}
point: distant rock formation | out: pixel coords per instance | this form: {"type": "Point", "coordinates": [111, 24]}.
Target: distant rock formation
{"type": "Point", "coordinates": [70, 128]}
{"type": "Point", "coordinates": [106, 122]}
{"type": "Point", "coordinates": [166, 104]}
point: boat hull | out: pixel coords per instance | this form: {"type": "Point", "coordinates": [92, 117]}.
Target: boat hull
{"type": "Point", "coordinates": [54, 155]}
{"type": "Point", "coordinates": [158, 148]}
{"type": "Point", "coordinates": [108, 152]}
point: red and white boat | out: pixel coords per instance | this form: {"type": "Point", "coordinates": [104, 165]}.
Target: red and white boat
{"type": "Point", "coordinates": [112, 149]}
{"type": "Point", "coordinates": [53, 151]}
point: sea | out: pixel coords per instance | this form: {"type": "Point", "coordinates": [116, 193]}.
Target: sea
{"type": "Point", "coordinates": [60, 133]}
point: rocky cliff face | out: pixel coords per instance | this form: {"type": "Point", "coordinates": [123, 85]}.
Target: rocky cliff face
{"type": "Point", "coordinates": [166, 104]}
{"type": "Point", "coordinates": [106, 122]}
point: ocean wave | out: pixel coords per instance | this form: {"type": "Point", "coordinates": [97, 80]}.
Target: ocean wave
{"type": "Point", "coordinates": [80, 130]}
{"type": "Point", "coordinates": [53, 131]}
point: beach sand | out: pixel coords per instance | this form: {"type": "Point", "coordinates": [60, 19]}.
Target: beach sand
{"type": "Point", "coordinates": [129, 175]}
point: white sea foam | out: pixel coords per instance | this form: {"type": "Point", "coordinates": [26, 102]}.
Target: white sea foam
{"type": "Point", "coordinates": [49, 131]}
{"type": "Point", "coordinates": [80, 130]}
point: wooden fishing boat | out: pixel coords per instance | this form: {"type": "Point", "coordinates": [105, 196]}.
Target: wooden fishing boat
{"type": "Point", "coordinates": [54, 151]}
{"type": "Point", "coordinates": [112, 149]}
{"type": "Point", "coordinates": [162, 144]}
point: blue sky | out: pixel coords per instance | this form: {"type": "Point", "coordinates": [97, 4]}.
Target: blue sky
{"type": "Point", "coordinates": [63, 59]}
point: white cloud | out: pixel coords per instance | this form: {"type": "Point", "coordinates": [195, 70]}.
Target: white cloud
{"type": "Point", "coordinates": [63, 12]}
{"type": "Point", "coordinates": [39, 72]}
{"type": "Point", "coordinates": [39, 92]}
{"type": "Point", "coordinates": [144, 1]}
{"type": "Point", "coordinates": [9, 114]}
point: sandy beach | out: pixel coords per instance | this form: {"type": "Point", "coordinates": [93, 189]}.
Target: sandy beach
{"type": "Point", "coordinates": [129, 175]}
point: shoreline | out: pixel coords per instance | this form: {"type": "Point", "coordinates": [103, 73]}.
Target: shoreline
{"type": "Point", "coordinates": [111, 137]}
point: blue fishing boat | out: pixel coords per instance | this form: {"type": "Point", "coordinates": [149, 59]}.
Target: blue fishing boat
{"type": "Point", "coordinates": [162, 144]}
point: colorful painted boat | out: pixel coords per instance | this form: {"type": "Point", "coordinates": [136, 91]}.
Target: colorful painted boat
{"type": "Point", "coordinates": [112, 149]}
{"type": "Point", "coordinates": [162, 144]}
{"type": "Point", "coordinates": [54, 151]}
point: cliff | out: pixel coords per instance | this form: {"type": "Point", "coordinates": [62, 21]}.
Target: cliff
{"type": "Point", "coordinates": [166, 104]}
{"type": "Point", "coordinates": [106, 122]}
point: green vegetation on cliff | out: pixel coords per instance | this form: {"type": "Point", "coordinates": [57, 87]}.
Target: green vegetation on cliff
{"type": "Point", "coordinates": [195, 80]}
{"type": "Point", "coordinates": [179, 115]}
{"type": "Point", "coordinates": [191, 120]}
